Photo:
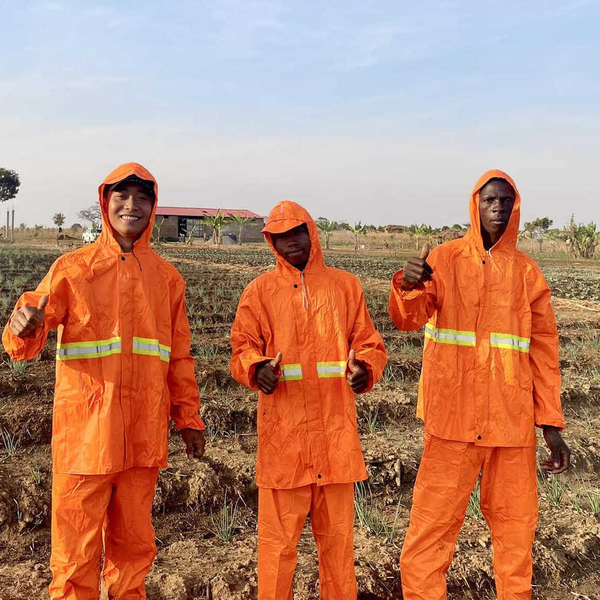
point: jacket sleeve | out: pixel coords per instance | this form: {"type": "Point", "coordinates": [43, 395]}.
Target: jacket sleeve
{"type": "Point", "coordinates": [367, 343]}
{"type": "Point", "coordinates": [57, 289]}
{"type": "Point", "coordinates": [247, 341]}
{"type": "Point", "coordinates": [410, 310]}
{"type": "Point", "coordinates": [543, 356]}
{"type": "Point", "coordinates": [181, 378]}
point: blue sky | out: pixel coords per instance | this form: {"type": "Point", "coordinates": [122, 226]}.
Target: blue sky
{"type": "Point", "coordinates": [386, 112]}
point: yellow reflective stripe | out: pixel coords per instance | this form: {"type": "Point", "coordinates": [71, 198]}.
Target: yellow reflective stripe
{"type": "Point", "coordinates": [450, 336]}
{"type": "Point", "coordinates": [327, 370]}
{"type": "Point", "coordinates": [151, 347]}
{"type": "Point", "coordinates": [96, 349]}
{"type": "Point", "coordinates": [89, 344]}
{"type": "Point", "coordinates": [509, 342]}
{"type": "Point", "coordinates": [291, 372]}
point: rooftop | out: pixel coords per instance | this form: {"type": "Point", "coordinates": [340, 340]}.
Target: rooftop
{"type": "Point", "coordinates": [186, 211]}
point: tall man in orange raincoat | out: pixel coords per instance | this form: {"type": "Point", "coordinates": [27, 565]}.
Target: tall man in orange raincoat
{"type": "Point", "coordinates": [490, 375]}
{"type": "Point", "coordinates": [303, 338]}
{"type": "Point", "coordinates": [123, 369]}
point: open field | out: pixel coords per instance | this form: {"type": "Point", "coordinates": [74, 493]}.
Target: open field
{"type": "Point", "coordinates": [196, 560]}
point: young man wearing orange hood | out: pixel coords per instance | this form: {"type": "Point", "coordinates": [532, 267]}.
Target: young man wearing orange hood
{"type": "Point", "coordinates": [490, 376]}
{"type": "Point", "coordinates": [123, 369]}
{"type": "Point", "coordinates": [303, 338]}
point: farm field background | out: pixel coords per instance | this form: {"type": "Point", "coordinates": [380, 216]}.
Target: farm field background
{"type": "Point", "coordinates": [204, 555]}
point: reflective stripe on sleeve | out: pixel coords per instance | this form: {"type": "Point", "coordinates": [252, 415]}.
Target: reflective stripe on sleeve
{"type": "Point", "coordinates": [291, 373]}
{"type": "Point", "coordinates": [95, 349]}
{"type": "Point", "coordinates": [450, 336]}
{"type": "Point", "coordinates": [150, 347]}
{"type": "Point", "coordinates": [327, 370]}
{"type": "Point", "coordinates": [509, 342]}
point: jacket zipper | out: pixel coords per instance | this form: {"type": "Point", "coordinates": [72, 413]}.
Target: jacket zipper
{"type": "Point", "coordinates": [124, 258]}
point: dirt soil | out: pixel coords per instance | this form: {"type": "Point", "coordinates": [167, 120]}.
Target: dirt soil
{"type": "Point", "coordinates": [193, 562]}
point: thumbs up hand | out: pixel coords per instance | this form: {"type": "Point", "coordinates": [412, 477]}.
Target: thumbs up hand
{"type": "Point", "coordinates": [416, 270]}
{"type": "Point", "coordinates": [268, 374]}
{"type": "Point", "coordinates": [356, 375]}
{"type": "Point", "coordinates": [28, 318]}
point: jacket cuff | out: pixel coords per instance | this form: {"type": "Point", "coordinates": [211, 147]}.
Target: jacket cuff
{"type": "Point", "coordinates": [558, 423]}
{"type": "Point", "coordinates": [192, 421]}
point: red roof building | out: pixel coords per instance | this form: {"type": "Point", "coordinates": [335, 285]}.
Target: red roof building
{"type": "Point", "coordinates": [198, 213]}
{"type": "Point", "coordinates": [183, 222]}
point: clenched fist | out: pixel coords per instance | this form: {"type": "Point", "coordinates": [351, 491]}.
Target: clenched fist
{"type": "Point", "coordinates": [417, 270]}
{"type": "Point", "coordinates": [357, 375]}
{"type": "Point", "coordinates": [28, 318]}
{"type": "Point", "coordinates": [268, 374]}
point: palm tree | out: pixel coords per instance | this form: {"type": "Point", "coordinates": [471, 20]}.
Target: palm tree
{"type": "Point", "coordinates": [357, 230]}
{"type": "Point", "coordinates": [241, 222]}
{"type": "Point", "coordinates": [327, 227]}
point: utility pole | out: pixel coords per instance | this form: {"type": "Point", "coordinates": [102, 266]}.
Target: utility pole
{"type": "Point", "coordinates": [7, 223]}
{"type": "Point", "coordinates": [12, 227]}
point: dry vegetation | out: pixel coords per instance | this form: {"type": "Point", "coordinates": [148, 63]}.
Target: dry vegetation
{"type": "Point", "coordinates": [205, 513]}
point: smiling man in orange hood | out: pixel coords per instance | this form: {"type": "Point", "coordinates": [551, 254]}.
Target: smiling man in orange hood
{"type": "Point", "coordinates": [303, 338]}
{"type": "Point", "coordinates": [490, 375]}
{"type": "Point", "coordinates": [123, 369]}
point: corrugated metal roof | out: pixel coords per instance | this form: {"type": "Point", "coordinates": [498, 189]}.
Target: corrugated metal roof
{"type": "Point", "coordinates": [185, 211]}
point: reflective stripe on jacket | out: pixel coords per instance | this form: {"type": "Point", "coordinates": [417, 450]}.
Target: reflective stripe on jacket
{"type": "Point", "coordinates": [490, 365]}
{"type": "Point", "coordinates": [123, 352]}
{"type": "Point", "coordinates": [307, 429]}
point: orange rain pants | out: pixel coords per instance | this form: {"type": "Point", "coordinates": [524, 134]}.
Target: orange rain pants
{"type": "Point", "coordinates": [281, 518]}
{"type": "Point", "coordinates": [90, 509]}
{"type": "Point", "coordinates": [509, 502]}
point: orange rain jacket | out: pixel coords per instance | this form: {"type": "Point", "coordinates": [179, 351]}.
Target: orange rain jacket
{"type": "Point", "coordinates": [490, 365]}
{"type": "Point", "coordinates": [123, 351]}
{"type": "Point", "coordinates": [307, 429]}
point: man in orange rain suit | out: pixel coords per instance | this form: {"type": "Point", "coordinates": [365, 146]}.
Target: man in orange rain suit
{"type": "Point", "coordinates": [490, 375]}
{"type": "Point", "coordinates": [123, 368]}
{"type": "Point", "coordinates": [304, 339]}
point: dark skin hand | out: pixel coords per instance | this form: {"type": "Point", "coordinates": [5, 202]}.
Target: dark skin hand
{"type": "Point", "coordinates": [28, 318]}
{"type": "Point", "coordinates": [416, 270]}
{"type": "Point", "coordinates": [496, 202]}
{"type": "Point", "coordinates": [194, 442]}
{"type": "Point", "coordinates": [357, 375]}
{"type": "Point", "coordinates": [268, 375]}
{"type": "Point", "coordinates": [294, 246]}
{"type": "Point", "coordinates": [560, 460]}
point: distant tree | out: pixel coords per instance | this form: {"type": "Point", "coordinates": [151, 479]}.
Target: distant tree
{"type": "Point", "coordinates": [217, 222]}
{"type": "Point", "coordinates": [157, 228]}
{"type": "Point", "coordinates": [327, 227]}
{"type": "Point", "coordinates": [91, 214]}
{"type": "Point", "coordinates": [581, 239]}
{"type": "Point", "coordinates": [9, 184]}
{"type": "Point", "coordinates": [241, 222]}
{"type": "Point", "coordinates": [76, 226]}
{"type": "Point", "coordinates": [537, 229]}
{"type": "Point", "coordinates": [59, 219]}
{"type": "Point", "coordinates": [23, 226]}
{"type": "Point", "coordinates": [357, 230]}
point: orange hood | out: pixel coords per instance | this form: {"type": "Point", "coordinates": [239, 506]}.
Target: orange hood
{"type": "Point", "coordinates": [509, 240]}
{"type": "Point", "coordinates": [126, 170]}
{"type": "Point", "coordinates": [285, 216]}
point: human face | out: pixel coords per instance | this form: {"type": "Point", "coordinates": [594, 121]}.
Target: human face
{"type": "Point", "coordinates": [496, 201]}
{"type": "Point", "coordinates": [293, 245]}
{"type": "Point", "coordinates": [129, 211]}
